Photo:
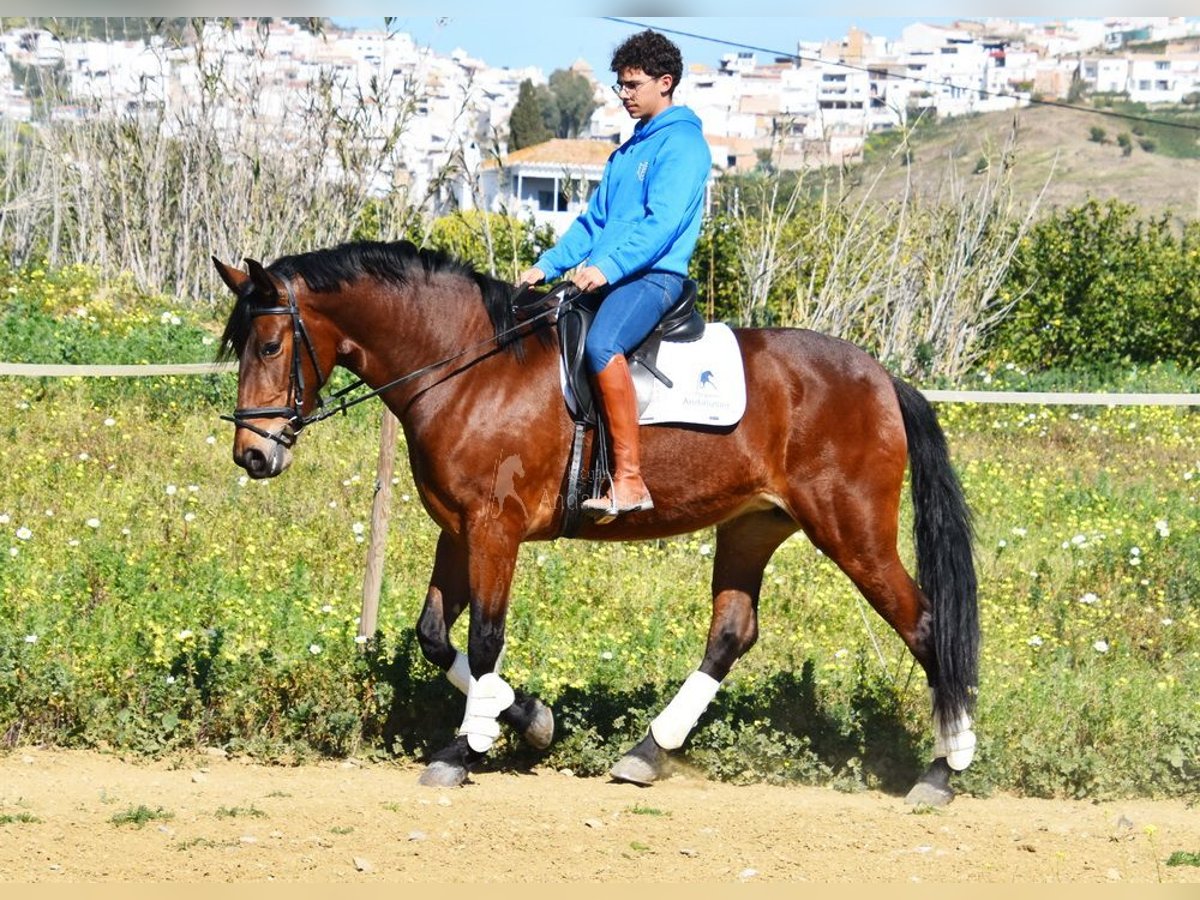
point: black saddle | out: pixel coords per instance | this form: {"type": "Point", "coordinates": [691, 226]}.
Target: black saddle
{"type": "Point", "coordinates": [681, 324]}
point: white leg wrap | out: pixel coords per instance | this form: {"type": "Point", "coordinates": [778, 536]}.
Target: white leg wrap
{"type": "Point", "coordinates": [487, 697]}
{"type": "Point", "coordinates": [956, 742]}
{"type": "Point", "coordinates": [672, 726]}
{"type": "Point", "coordinates": [459, 674]}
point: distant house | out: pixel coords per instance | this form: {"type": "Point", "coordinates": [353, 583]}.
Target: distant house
{"type": "Point", "coordinates": [552, 181]}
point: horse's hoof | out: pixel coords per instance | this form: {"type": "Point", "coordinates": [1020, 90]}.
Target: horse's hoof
{"type": "Point", "coordinates": [644, 764]}
{"type": "Point", "coordinates": [540, 731]}
{"type": "Point", "coordinates": [934, 787]}
{"type": "Point", "coordinates": [443, 774]}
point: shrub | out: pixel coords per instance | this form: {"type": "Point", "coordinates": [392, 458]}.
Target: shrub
{"type": "Point", "coordinates": [1099, 285]}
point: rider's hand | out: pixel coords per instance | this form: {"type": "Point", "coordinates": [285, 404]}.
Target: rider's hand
{"type": "Point", "coordinates": [589, 278]}
{"type": "Point", "coordinates": [531, 276]}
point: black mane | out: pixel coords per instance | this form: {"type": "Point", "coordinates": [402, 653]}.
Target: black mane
{"type": "Point", "coordinates": [331, 269]}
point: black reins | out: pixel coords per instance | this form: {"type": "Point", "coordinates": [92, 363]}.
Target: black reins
{"type": "Point", "coordinates": [562, 293]}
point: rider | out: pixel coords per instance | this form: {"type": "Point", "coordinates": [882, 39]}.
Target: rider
{"type": "Point", "coordinates": [635, 240]}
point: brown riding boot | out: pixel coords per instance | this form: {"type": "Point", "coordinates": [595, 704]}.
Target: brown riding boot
{"type": "Point", "coordinates": [618, 404]}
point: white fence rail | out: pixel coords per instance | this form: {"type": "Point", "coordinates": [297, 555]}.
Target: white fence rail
{"type": "Point", "coordinates": [1035, 398]}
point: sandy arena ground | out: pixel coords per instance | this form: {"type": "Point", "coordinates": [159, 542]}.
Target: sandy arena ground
{"type": "Point", "coordinates": [234, 821]}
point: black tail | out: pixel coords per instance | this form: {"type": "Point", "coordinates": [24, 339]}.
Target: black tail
{"type": "Point", "coordinates": [945, 566]}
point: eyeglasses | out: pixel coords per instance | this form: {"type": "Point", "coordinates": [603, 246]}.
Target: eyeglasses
{"type": "Point", "coordinates": [630, 87]}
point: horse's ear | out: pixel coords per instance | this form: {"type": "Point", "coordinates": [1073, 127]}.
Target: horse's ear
{"type": "Point", "coordinates": [263, 280]}
{"type": "Point", "coordinates": [235, 279]}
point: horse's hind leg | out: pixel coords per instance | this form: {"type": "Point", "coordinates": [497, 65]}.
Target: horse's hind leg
{"type": "Point", "coordinates": [868, 555]}
{"type": "Point", "coordinates": [446, 598]}
{"type": "Point", "coordinates": [744, 546]}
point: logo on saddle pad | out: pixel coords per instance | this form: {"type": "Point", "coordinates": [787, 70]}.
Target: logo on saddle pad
{"type": "Point", "coordinates": [707, 380]}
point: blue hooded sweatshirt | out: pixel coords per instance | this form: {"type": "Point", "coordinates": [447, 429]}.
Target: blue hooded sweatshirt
{"type": "Point", "coordinates": [646, 212]}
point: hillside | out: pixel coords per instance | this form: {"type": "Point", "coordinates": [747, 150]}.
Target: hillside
{"type": "Point", "coordinates": [1051, 143]}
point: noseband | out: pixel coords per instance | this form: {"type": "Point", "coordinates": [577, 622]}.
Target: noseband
{"type": "Point", "coordinates": [294, 414]}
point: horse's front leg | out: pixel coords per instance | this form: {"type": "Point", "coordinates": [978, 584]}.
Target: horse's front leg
{"type": "Point", "coordinates": [478, 571]}
{"type": "Point", "coordinates": [744, 546]}
{"type": "Point", "coordinates": [448, 595]}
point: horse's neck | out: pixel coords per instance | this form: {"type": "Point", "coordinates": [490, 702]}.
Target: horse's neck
{"type": "Point", "coordinates": [394, 331]}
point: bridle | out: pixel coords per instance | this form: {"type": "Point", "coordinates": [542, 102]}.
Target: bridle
{"type": "Point", "coordinates": [558, 296]}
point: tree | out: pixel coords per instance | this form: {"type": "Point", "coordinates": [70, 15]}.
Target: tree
{"type": "Point", "coordinates": [575, 102]}
{"type": "Point", "coordinates": [525, 126]}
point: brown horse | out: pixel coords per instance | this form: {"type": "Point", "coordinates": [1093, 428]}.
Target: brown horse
{"type": "Point", "coordinates": [822, 447]}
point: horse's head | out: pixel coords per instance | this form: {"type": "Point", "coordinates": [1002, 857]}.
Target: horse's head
{"type": "Point", "coordinates": [279, 366]}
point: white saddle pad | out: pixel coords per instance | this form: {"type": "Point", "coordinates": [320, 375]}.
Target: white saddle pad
{"type": "Point", "coordinates": [709, 382]}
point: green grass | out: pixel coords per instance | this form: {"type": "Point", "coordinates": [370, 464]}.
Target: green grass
{"type": "Point", "coordinates": [19, 818]}
{"type": "Point", "coordinates": [240, 812]}
{"type": "Point", "coordinates": [141, 815]}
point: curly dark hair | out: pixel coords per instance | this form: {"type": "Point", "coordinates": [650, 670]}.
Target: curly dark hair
{"type": "Point", "coordinates": [652, 53]}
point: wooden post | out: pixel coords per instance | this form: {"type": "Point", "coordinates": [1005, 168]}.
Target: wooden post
{"type": "Point", "coordinates": [380, 508]}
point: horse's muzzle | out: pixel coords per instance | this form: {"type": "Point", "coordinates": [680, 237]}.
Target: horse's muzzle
{"type": "Point", "coordinates": [265, 460]}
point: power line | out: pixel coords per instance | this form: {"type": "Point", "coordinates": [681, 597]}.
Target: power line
{"type": "Point", "coordinates": [1055, 104]}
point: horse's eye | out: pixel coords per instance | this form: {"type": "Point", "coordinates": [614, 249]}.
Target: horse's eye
{"type": "Point", "coordinates": [271, 348]}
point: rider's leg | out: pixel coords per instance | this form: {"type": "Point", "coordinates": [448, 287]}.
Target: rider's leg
{"type": "Point", "coordinates": [628, 313]}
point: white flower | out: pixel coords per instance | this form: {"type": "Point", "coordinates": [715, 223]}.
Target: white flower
{"type": "Point", "coordinates": [327, 608]}
{"type": "Point", "coordinates": [1002, 543]}
{"type": "Point", "coordinates": [606, 655]}
{"type": "Point", "coordinates": [333, 504]}
{"type": "Point", "coordinates": [1168, 622]}
{"type": "Point", "coordinates": [93, 522]}
{"type": "Point", "coordinates": [110, 422]}
{"type": "Point", "coordinates": [83, 457]}
{"type": "Point", "coordinates": [1034, 641]}
{"type": "Point", "coordinates": [842, 654]}
{"type": "Point", "coordinates": [4, 519]}
{"type": "Point", "coordinates": [244, 480]}
{"type": "Point", "coordinates": [189, 517]}
{"type": "Point", "coordinates": [24, 534]}
{"type": "Point", "coordinates": [183, 634]}
{"type": "Point", "coordinates": [31, 638]}
{"type": "Point", "coordinates": [1079, 540]}
{"type": "Point", "coordinates": [1089, 598]}
{"type": "Point", "coordinates": [357, 528]}
{"type": "Point", "coordinates": [1135, 551]}
{"type": "Point", "coordinates": [705, 549]}
{"type": "Point", "coordinates": [405, 498]}
{"type": "Point", "coordinates": [13, 551]}
{"type": "Point", "coordinates": [1019, 532]}
{"type": "Point", "coordinates": [175, 320]}
{"type": "Point", "coordinates": [314, 649]}
{"type": "Point", "coordinates": [126, 532]}
{"type": "Point", "coordinates": [1161, 527]}
{"type": "Point", "coordinates": [193, 488]}
{"type": "Point", "coordinates": [210, 440]}
{"type": "Point", "coordinates": [49, 514]}
{"type": "Point", "coordinates": [170, 679]}
{"type": "Point", "coordinates": [73, 542]}
{"type": "Point", "coordinates": [208, 340]}
{"type": "Point", "coordinates": [1100, 646]}
{"type": "Point", "coordinates": [360, 639]}
{"type": "Point", "coordinates": [171, 490]}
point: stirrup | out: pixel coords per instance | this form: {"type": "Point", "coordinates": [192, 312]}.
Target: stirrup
{"type": "Point", "coordinates": [604, 509]}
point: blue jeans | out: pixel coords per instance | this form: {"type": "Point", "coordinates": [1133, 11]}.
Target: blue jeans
{"type": "Point", "coordinates": [628, 313]}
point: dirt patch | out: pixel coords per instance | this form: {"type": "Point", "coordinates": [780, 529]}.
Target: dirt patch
{"type": "Point", "coordinates": [335, 822]}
